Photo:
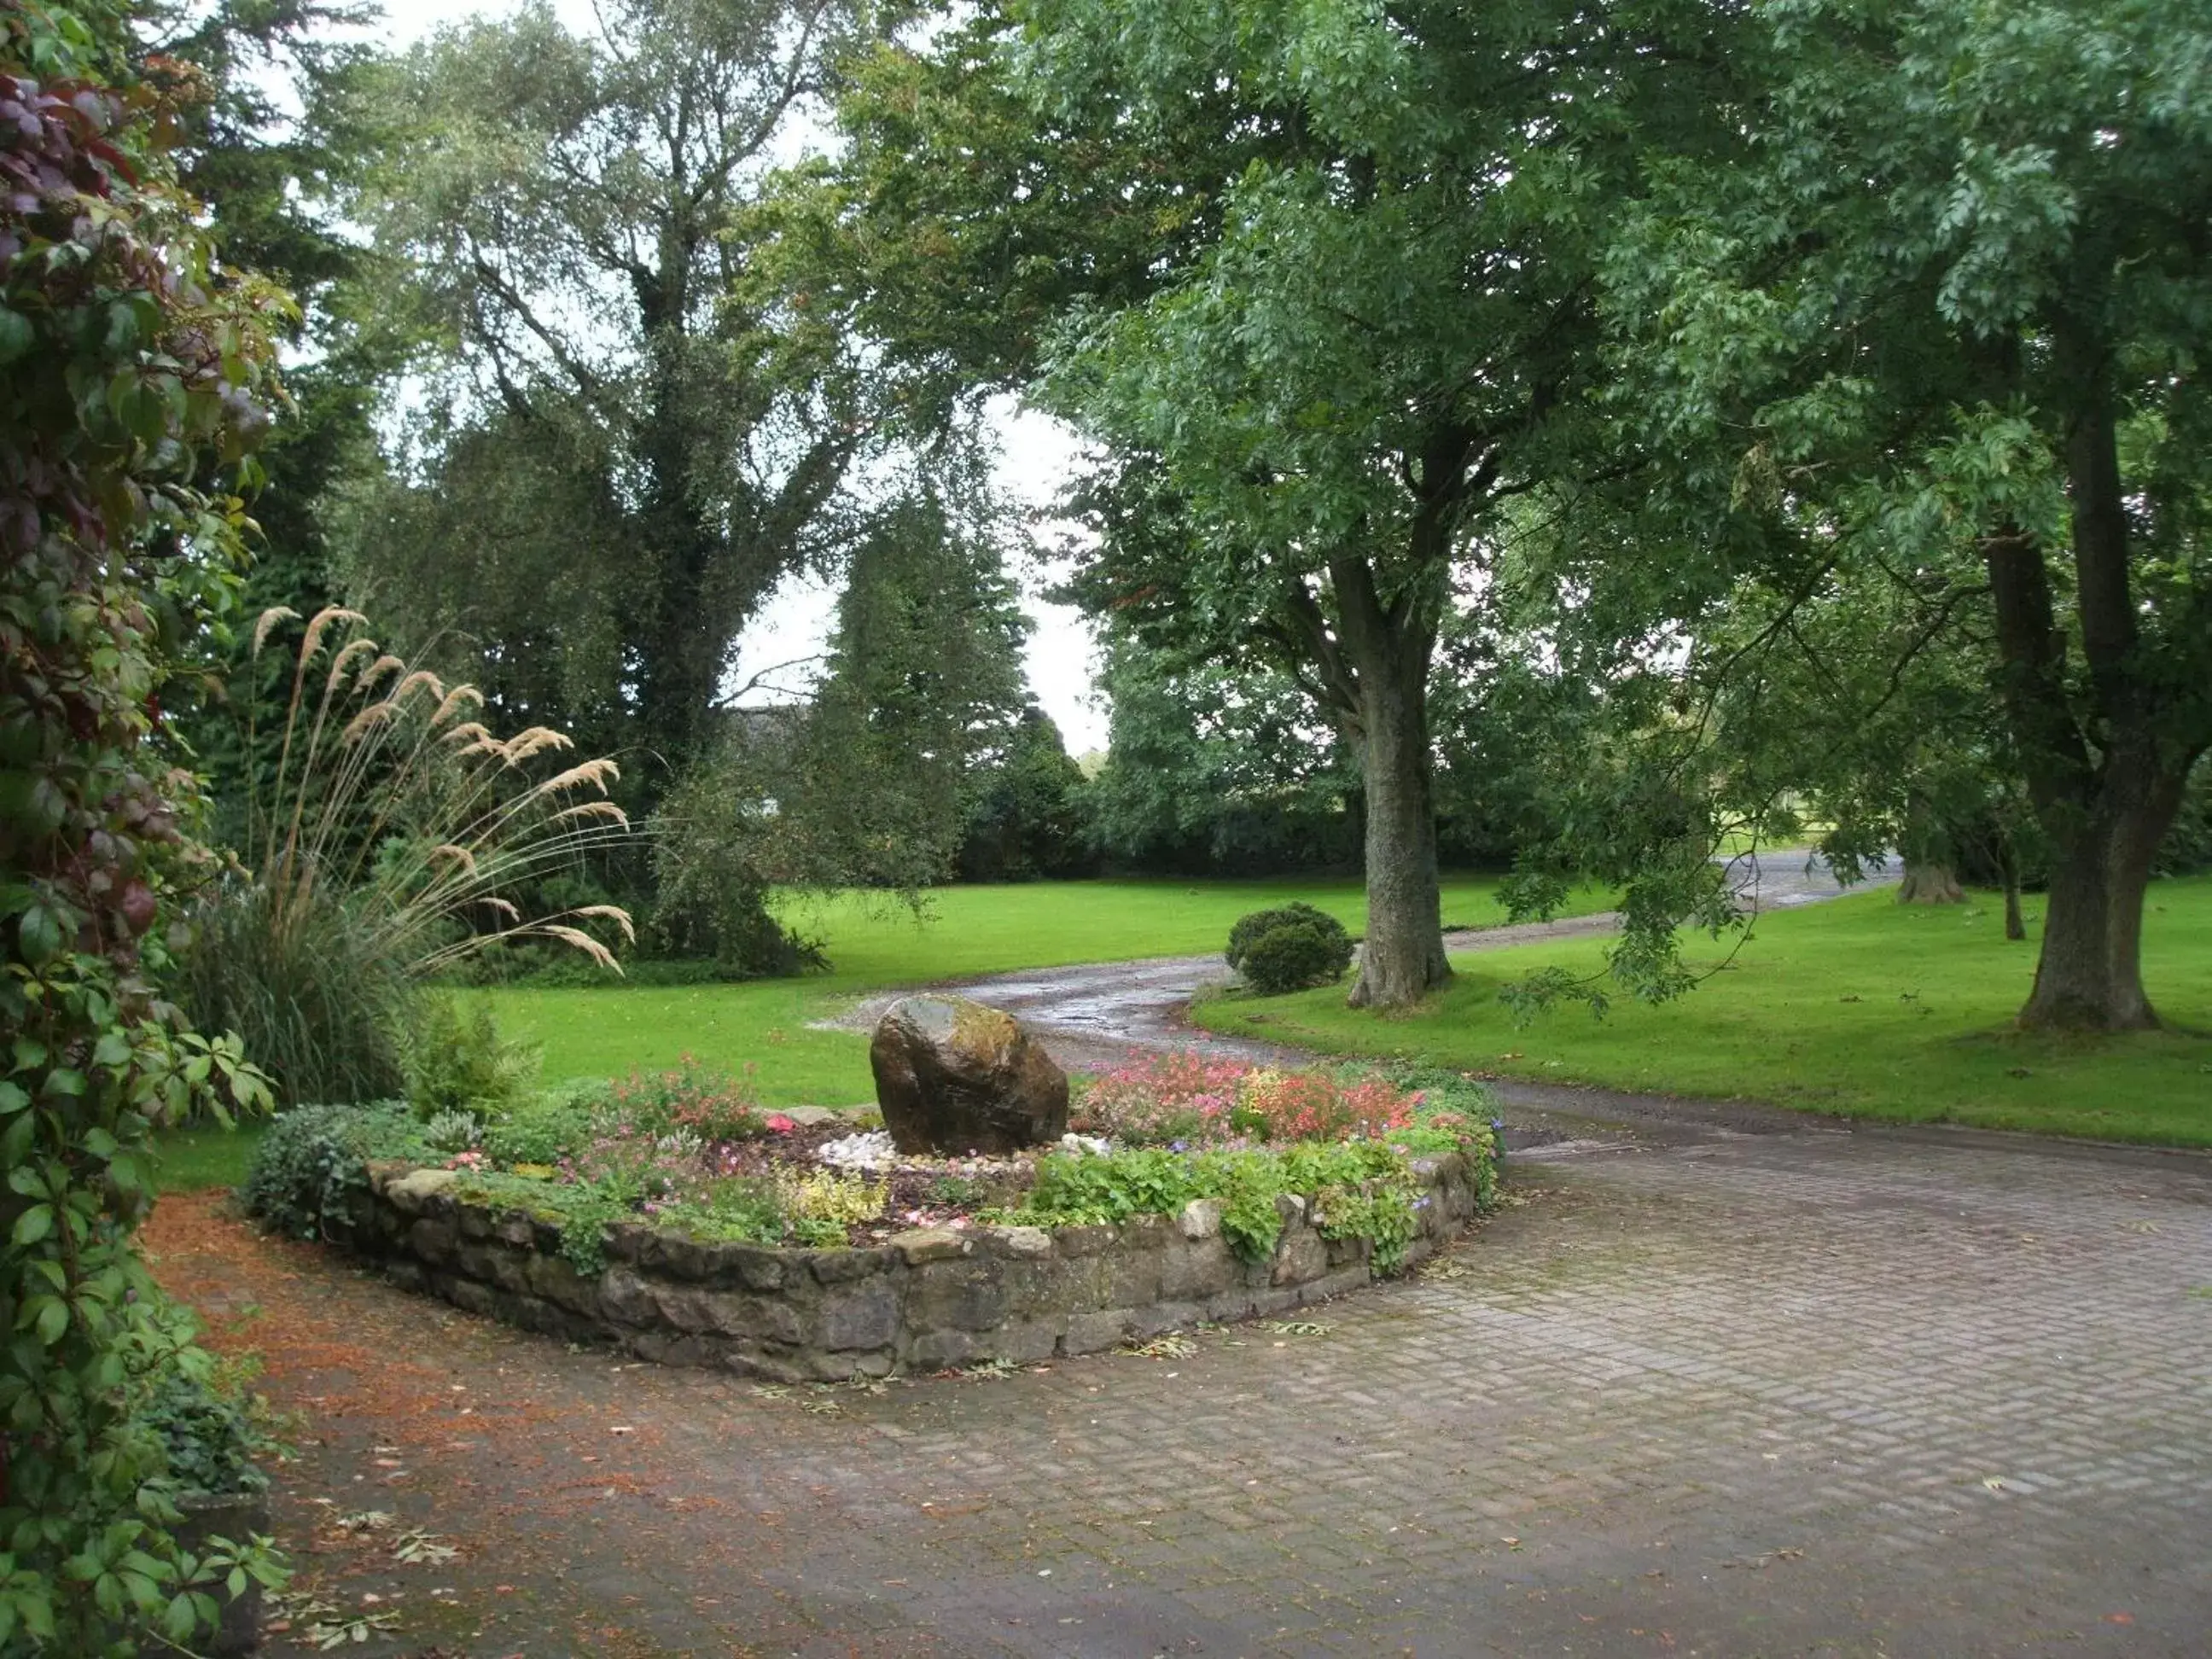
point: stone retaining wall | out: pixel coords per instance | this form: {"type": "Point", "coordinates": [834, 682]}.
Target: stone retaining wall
{"type": "Point", "coordinates": [923, 1301]}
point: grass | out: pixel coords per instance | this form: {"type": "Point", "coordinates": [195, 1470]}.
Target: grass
{"type": "Point", "coordinates": [764, 1030]}
{"type": "Point", "coordinates": [873, 943]}
{"type": "Point", "coordinates": [872, 940]}
{"type": "Point", "coordinates": [195, 1159]}
{"type": "Point", "coordinates": [1861, 1007]}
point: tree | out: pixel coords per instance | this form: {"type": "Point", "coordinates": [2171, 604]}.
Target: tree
{"type": "Point", "coordinates": [1318, 418]}
{"type": "Point", "coordinates": [1952, 323]}
{"type": "Point", "coordinates": [1028, 810]}
{"type": "Point", "coordinates": [251, 152]}
{"type": "Point", "coordinates": [566, 218]}
{"type": "Point", "coordinates": [1211, 772]}
{"type": "Point", "coordinates": [923, 697]}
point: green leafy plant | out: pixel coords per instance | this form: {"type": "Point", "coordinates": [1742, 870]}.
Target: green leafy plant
{"type": "Point", "coordinates": [314, 1157]}
{"type": "Point", "coordinates": [712, 1104]}
{"type": "Point", "coordinates": [456, 1060]}
{"type": "Point", "coordinates": [135, 372]}
{"type": "Point", "coordinates": [546, 1128]}
{"type": "Point", "coordinates": [818, 1205]}
{"type": "Point", "coordinates": [1295, 955]}
{"type": "Point", "coordinates": [1247, 929]}
{"type": "Point", "coordinates": [1358, 1189]}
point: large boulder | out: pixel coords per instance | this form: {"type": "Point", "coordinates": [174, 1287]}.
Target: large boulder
{"type": "Point", "coordinates": [955, 1075]}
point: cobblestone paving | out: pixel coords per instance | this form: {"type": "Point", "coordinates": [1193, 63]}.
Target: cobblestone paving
{"type": "Point", "coordinates": [1813, 1392]}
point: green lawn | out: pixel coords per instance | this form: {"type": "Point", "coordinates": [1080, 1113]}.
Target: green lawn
{"type": "Point", "coordinates": [1862, 1006]}
{"type": "Point", "coordinates": [873, 942]}
{"type": "Point", "coordinates": [195, 1159]}
{"type": "Point", "coordinates": [872, 939]}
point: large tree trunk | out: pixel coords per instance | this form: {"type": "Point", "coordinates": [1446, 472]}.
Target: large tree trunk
{"type": "Point", "coordinates": [1930, 883]}
{"type": "Point", "coordinates": [2105, 777]}
{"type": "Point", "coordinates": [1388, 650]}
{"type": "Point", "coordinates": [2008, 872]}
{"type": "Point", "coordinates": [2089, 977]}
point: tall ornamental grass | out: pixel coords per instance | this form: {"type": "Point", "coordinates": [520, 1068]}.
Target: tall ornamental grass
{"type": "Point", "coordinates": [390, 835]}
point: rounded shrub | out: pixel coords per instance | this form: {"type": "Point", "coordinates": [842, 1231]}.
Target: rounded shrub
{"type": "Point", "coordinates": [1249, 928]}
{"type": "Point", "coordinates": [1295, 955]}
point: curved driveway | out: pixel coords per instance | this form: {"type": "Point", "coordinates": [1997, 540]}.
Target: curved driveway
{"type": "Point", "coordinates": [1739, 1384]}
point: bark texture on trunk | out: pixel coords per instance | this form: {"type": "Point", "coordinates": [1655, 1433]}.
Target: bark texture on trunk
{"type": "Point", "coordinates": [1403, 955]}
{"type": "Point", "coordinates": [1374, 667]}
{"type": "Point", "coordinates": [2106, 771]}
{"type": "Point", "coordinates": [1930, 884]}
{"type": "Point", "coordinates": [2089, 976]}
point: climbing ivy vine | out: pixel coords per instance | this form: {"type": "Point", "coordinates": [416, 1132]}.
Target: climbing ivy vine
{"type": "Point", "coordinates": [134, 376]}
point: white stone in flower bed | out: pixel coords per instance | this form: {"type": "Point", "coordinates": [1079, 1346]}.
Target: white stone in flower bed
{"type": "Point", "coordinates": [871, 1153]}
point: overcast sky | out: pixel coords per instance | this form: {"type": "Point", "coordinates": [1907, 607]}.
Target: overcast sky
{"type": "Point", "coordinates": [1036, 452]}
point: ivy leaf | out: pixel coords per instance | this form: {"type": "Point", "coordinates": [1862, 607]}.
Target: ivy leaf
{"type": "Point", "coordinates": [50, 1321]}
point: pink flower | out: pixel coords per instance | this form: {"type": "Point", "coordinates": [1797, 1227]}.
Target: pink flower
{"type": "Point", "coordinates": [779, 1124]}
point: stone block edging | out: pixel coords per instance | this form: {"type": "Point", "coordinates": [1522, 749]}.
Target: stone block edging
{"type": "Point", "coordinates": [924, 1300]}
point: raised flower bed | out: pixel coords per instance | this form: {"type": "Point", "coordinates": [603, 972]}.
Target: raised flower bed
{"type": "Point", "coordinates": [808, 1251]}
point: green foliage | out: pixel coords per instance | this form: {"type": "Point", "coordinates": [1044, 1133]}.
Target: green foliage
{"type": "Point", "coordinates": [543, 1129]}
{"type": "Point", "coordinates": [314, 1157]}
{"type": "Point", "coordinates": [819, 1207]}
{"type": "Point", "coordinates": [588, 374]}
{"type": "Point", "coordinates": [1028, 814]}
{"type": "Point", "coordinates": [713, 841]}
{"type": "Point", "coordinates": [736, 1210]}
{"type": "Point", "coordinates": [136, 367]}
{"type": "Point", "coordinates": [1295, 955]}
{"type": "Point", "coordinates": [458, 1062]}
{"type": "Point", "coordinates": [209, 1441]}
{"type": "Point", "coordinates": [1250, 927]}
{"type": "Point", "coordinates": [1967, 409]}
{"type": "Point", "coordinates": [1214, 771]}
{"type": "Point", "coordinates": [923, 700]}
{"type": "Point", "coordinates": [710, 1103]}
{"type": "Point", "coordinates": [394, 839]}
{"type": "Point", "coordinates": [1357, 1188]}
{"type": "Point", "coordinates": [322, 1010]}
{"type": "Point", "coordinates": [1860, 1008]}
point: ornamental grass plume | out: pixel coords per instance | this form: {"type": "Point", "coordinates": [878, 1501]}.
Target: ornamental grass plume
{"type": "Point", "coordinates": [390, 834]}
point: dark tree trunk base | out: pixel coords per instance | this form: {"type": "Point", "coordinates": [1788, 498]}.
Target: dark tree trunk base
{"type": "Point", "coordinates": [1930, 884]}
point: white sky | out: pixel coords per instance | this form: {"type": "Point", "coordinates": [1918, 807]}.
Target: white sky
{"type": "Point", "coordinates": [1036, 452]}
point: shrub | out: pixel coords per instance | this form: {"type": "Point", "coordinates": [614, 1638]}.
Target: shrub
{"type": "Point", "coordinates": [1357, 1188]}
{"type": "Point", "coordinates": [713, 1105]}
{"type": "Point", "coordinates": [456, 1060]}
{"type": "Point", "coordinates": [818, 1205]}
{"type": "Point", "coordinates": [313, 1157]}
{"type": "Point", "coordinates": [1157, 1102]}
{"type": "Point", "coordinates": [1250, 927]}
{"type": "Point", "coordinates": [1316, 1105]}
{"type": "Point", "coordinates": [453, 1132]}
{"type": "Point", "coordinates": [211, 1441]}
{"type": "Point", "coordinates": [546, 1128]}
{"type": "Point", "coordinates": [1186, 1099]}
{"type": "Point", "coordinates": [1297, 955]}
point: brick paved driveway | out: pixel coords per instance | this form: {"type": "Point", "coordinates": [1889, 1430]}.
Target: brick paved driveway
{"type": "Point", "coordinates": [1802, 1392]}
